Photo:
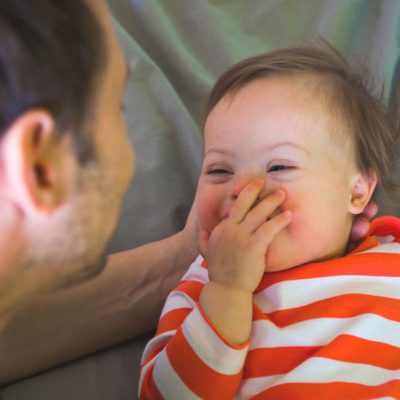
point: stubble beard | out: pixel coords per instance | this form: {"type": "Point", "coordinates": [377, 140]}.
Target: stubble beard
{"type": "Point", "coordinates": [70, 246]}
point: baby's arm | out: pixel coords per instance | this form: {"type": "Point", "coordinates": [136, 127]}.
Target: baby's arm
{"type": "Point", "coordinates": [235, 253]}
{"type": "Point", "coordinates": [188, 357]}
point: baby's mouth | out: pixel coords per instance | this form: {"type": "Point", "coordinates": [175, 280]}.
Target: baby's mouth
{"type": "Point", "coordinates": [273, 215]}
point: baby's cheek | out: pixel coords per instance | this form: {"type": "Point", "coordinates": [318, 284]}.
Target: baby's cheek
{"type": "Point", "coordinates": [298, 220]}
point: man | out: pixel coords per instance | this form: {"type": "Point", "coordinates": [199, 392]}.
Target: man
{"type": "Point", "coordinates": [64, 166]}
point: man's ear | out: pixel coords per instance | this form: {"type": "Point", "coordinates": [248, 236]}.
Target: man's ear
{"type": "Point", "coordinates": [36, 163]}
{"type": "Point", "coordinates": [362, 190]}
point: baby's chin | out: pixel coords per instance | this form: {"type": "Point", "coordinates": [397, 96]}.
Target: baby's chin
{"type": "Point", "coordinates": [276, 264]}
{"type": "Point", "coordinates": [276, 261]}
{"type": "Point", "coordinates": [283, 252]}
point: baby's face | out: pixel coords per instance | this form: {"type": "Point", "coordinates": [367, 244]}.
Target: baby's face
{"type": "Point", "coordinates": [278, 129]}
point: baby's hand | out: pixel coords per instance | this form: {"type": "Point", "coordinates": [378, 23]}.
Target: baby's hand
{"type": "Point", "coordinates": [235, 250]}
{"type": "Point", "coordinates": [361, 225]}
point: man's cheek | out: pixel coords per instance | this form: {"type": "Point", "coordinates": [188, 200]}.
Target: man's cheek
{"type": "Point", "coordinates": [206, 218]}
{"type": "Point", "coordinates": [208, 211]}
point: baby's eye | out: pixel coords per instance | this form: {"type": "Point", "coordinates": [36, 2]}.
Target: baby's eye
{"type": "Point", "coordinates": [218, 171]}
{"type": "Point", "coordinates": [278, 168]}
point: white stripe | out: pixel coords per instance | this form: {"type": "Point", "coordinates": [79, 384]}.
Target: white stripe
{"type": "Point", "coordinates": [384, 398]}
{"type": "Point", "coordinates": [385, 239]}
{"type": "Point", "coordinates": [384, 248]}
{"type": "Point", "coordinates": [321, 331]}
{"type": "Point", "coordinates": [321, 370]}
{"type": "Point", "coordinates": [143, 373]}
{"type": "Point", "coordinates": [196, 272]}
{"type": "Point", "coordinates": [297, 293]}
{"type": "Point", "coordinates": [210, 348]}
{"type": "Point", "coordinates": [177, 300]}
{"type": "Point", "coordinates": [252, 386]}
{"type": "Point", "coordinates": [156, 343]}
{"type": "Point", "coordinates": [168, 382]}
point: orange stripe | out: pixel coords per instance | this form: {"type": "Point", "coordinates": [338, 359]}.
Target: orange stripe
{"type": "Point", "coordinates": [258, 314]}
{"type": "Point", "coordinates": [352, 349]}
{"type": "Point", "coordinates": [367, 244]}
{"type": "Point", "coordinates": [274, 361]}
{"type": "Point", "coordinates": [149, 389]}
{"type": "Point", "coordinates": [330, 391]}
{"type": "Point", "coordinates": [201, 379]}
{"type": "Point", "coordinates": [191, 288]}
{"type": "Point", "coordinates": [365, 264]}
{"type": "Point", "coordinates": [346, 348]}
{"type": "Point", "coordinates": [343, 306]}
{"type": "Point", "coordinates": [172, 320]}
{"type": "Point", "coordinates": [385, 226]}
{"type": "Point", "coordinates": [153, 354]}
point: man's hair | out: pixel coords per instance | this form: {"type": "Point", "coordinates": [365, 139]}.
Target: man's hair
{"type": "Point", "coordinates": [50, 55]}
{"type": "Point", "coordinates": [348, 94]}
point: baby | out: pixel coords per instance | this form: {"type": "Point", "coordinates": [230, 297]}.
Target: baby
{"type": "Point", "coordinates": [295, 146]}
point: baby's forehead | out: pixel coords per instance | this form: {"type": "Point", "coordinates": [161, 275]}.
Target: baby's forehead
{"type": "Point", "coordinates": [319, 88]}
{"type": "Point", "coordinates": [277, 99]}
{"type": "Point", "coordinates": [314, 85]}
{"type": "Point", "coordinates": [324, 92]}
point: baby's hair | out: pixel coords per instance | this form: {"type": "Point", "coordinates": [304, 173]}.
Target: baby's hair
{"type": "Point", "coordinates": [374, 133]}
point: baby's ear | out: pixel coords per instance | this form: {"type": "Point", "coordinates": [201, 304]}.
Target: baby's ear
{"type": "Point", "coordinates": [362, 190]}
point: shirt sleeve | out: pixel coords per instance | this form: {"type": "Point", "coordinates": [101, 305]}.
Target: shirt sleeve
{"type": "Point", "coordinates": [188, 358]}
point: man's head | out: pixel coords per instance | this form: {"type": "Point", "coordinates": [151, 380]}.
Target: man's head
{"type": "Point", "coordinates": [297, 118]}
{"type": "Point", "coordinates": [65, 161]}
{"type": "Point", "coordinates": [51, 57]}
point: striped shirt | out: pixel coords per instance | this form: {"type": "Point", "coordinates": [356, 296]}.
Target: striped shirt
{"type": "Point", "coordinates": [320, 331]}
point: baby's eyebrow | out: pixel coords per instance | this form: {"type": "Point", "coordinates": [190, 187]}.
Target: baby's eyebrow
{"type": "Point", "coordinates": [218, 150]}
{"type": "Point", "coordinates": [286, 143]}
{"type": "Point", "coordinates": [269, 147]}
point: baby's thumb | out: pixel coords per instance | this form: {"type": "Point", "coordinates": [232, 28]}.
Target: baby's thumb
{"type": "Point", "coordinates": [202, 243]}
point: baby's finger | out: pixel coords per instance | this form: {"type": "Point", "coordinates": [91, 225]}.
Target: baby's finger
{"type": "Point", "coordinates": [246, 199]}
{"type": "Point", "coordinates": [371, 210]}
{"type": "Point", "coordinates": [263, 210]}
{"type": "Point", "coordinates": [359, 229]}
{"type": "Point", "coordinates": [267, 231]}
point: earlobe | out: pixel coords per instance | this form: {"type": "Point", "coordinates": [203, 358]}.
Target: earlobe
{"type": "Point", "coordinates": [33, 162]}
{"type": "Point", "coordinates": [362, 190]}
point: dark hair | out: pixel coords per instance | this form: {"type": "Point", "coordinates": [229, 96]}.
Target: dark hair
{"type": "Point", "coordinates": [374, 132]}
{"type": "Point", "coordinates": [50, 54]}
